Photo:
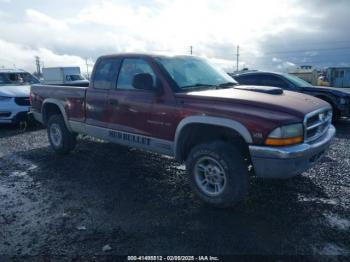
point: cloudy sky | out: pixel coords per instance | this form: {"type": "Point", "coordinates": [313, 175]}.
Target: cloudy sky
{"type": "Point", "coordinates": [271, 34]}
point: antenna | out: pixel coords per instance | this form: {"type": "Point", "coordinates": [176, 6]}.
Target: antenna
{"type": "Point", "coordinates": [237, 58]}
{"type": "Point", "coordinates": [87, 68]}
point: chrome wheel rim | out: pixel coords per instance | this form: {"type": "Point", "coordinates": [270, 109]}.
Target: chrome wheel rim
{"type": "Point", "coordinates": [210, 176]}
{"type": "Point", "coordinates": [55, 135]}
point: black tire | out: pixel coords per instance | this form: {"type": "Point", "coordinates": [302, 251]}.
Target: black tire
{"type": "Point", "coordinates": [66, 141]}
{"type": "Point", "coordinates": [231, 160]}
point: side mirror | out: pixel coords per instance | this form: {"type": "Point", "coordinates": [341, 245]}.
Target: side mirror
{"type": "Point", "coordinates": [143, 81]}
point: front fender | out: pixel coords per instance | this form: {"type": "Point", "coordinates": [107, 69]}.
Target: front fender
{"type": "Point", "coordinates": [209, 120]}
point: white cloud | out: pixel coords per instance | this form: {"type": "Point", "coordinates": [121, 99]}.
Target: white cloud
{"type": "Point", "coordinates": [21, 57]}
{"type": "Point", "coordinates": [175, 24]}
{"type": "Point", "coordinates": [213, 28]}
{"type": "Point", "coordinates": [39, 19]}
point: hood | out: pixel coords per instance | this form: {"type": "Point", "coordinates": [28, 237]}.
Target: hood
{"type": "Point", "coordinates": [15, 91]}
{"type": "Point", "coordinates": [288, 102]}
{"type": "Point", "coordinates": [334, 90]}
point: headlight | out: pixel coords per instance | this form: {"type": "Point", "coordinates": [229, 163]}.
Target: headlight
{"type": "Point", "coordinates": [4, 98]}
{"type": "Point", "coordinates": [286, 135]}
{"type": "Point", "coordinates": [342, 101]}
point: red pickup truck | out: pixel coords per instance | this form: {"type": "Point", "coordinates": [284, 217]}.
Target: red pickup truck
{"type": "Point", "coordinates": [184, 107]}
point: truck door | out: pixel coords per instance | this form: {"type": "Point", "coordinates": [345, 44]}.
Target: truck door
{"type": "Point", "coordinates": [130, 107]}
{"type": "Point", "coordinates": [97, 109]}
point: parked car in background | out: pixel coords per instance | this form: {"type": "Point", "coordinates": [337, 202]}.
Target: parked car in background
{"type": "Point", "coordinates": [64, 76]}
{"type": "Point", "coordinates": [323, 81]}
{"type": "Point", "coordinates": [338, 98]}
{"type": "Point", "coordinates": [184, 107]}
{"type": "Point", "coordinates": [14, 94]}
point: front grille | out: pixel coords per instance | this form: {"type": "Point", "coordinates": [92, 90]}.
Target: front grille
{"type": "Point", "coordinates": [5, 114]}
{"type": "Point", "coordinates": [317, 123]}
{"type": "Point", "coordinates": [22, 101]}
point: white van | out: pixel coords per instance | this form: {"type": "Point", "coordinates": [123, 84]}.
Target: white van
{"type": "Point", "coordinates": [64, 76]}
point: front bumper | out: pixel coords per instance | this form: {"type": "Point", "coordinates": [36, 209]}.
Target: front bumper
{"type": "Point", "coordinates": [285, 162]}
{"type": "Point", "coordinates": [10, 112]}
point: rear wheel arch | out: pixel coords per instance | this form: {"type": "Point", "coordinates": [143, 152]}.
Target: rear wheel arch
{"type": "Point", "coordinates": [53, 107]}
{"type": "Point", "coordinates": [187, 135]}
{"type": "Point", "coordinates": [61, 139]}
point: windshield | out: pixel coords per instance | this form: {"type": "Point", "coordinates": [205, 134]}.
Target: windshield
{"type": "Point", "coordinates": [297, 81]}
{"type": "Point", "coordinates": [192, 73]}
{"type": "Point", "coordinates": [74, 77]}
{"type": "Point", "coordinates": [17, 79]}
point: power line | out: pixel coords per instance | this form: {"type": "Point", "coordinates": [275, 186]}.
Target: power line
{"type": "Point", "coordinates": [296, 59]}
{"type": "Point", "coordinates": [298, 56]}
{"type": "Point", "coordinates": [306, 50]}
{"type": "Point", "coordinates": [322, 62]}
{"type": "Point", "coordinates": [318, 43]}
{"type": "Point", "coordinates": [309, 50]}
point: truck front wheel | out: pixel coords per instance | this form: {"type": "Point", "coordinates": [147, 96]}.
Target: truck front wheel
{"type": "Point", "coordinates": [61, 140]}
{"type": "Point", "coordinates": [218, 174]}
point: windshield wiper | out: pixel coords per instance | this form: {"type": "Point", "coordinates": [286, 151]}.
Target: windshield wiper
{"type": "Point", "coordinates": [220, 86]}
{"type": "Point", "coordinates": [197, 85]}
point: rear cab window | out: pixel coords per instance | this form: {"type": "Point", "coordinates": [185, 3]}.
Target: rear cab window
{"type": "Point", "coordinates": [129, 69]}
{"type": "Point", "coordinates": [106, 73]}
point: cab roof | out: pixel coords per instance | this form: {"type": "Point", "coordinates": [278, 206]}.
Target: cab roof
{"type": "Point", "coordinates": [149, 55]}
{"type": "Point", "coordinates": [256, 72]}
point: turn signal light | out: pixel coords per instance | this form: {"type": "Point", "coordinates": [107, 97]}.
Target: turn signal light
{"type": "Point", "coordinates": [283, 141]}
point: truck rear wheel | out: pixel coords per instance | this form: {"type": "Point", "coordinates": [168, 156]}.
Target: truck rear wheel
{"type": "Point", "coordinates": [218, 174]}
{"type": "Point", "coordinates": [61, 140]}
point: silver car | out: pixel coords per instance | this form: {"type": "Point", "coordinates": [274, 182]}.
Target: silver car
{"type": "Point", "coordinates": [14, 94]}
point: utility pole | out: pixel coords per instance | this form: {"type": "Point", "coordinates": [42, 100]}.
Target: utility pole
{"type": "Point", "coordinates": [87, 68]}
{"type": "Point", "coordinates": [237, 58]}
{"type": "Point", "coordinates": [191, 50]}
{"type": "Point", "coordinates": [37, 63]}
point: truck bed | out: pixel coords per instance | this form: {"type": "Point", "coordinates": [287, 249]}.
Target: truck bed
{"type": "Point", "coordinates": [71, 97]}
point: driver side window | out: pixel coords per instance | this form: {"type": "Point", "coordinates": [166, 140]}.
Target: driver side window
{"type": "Point", "coordinates": [129, 69]}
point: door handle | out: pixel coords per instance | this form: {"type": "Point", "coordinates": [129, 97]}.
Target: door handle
{"type": "Point", "coordinates": [114, 102]}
